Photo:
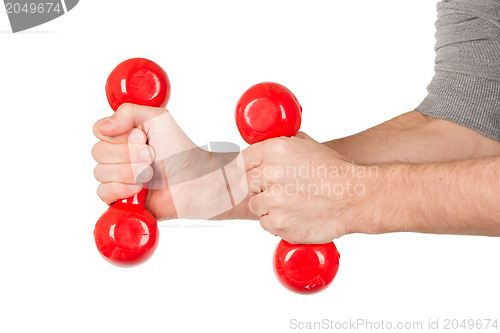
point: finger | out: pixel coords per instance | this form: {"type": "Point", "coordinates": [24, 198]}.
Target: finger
{"type": "Point", "coordinates": [275, 222]}
{"type": "Point", "coordinates": [111, 192]}
{"type": "Point", "coordinates": [265, 223]}
{"type": "Point", "coordinates": [255, 181]}
{"type": "Point", "coordinates": [268, 150]}
{"type": "Point", "coordinates": [127, 117]}
{"type": "Point", "coordinates": [134, 135]}
{"type": "Point", "coordinates": [123, 173]}
{"type": "Point", "coordinates": [111, 153]}
{"type": "Point", "coordinates": [258, 204]}
{"type": "Point", "coordinates": [253, 156]}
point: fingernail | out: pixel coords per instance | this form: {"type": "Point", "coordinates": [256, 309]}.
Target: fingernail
{"type": "Point", "coordinates": [107, 123]}
{"type": "Point", "coordinates": [144, 174]}
{"type": "Point", "coordinates": [136, 137]}
{"type": "Point", "coordinates": [134, 188]}
{"type": "Point", "coordinates": [146, 155]}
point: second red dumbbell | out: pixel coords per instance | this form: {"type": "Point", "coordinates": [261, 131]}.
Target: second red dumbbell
{"type": "Point", "coordinates": [265, 111]}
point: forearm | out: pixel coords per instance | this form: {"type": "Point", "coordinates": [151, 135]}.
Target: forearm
{"type": "Point", "coordinates": [410, 137]}
{"type": "Point", "coordinates": [461, 197]}
{"type": "Point", "coordinates": [414, 137]}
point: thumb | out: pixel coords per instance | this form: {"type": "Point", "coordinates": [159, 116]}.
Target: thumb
{"type": "Point", "coordinates": [127, 117]}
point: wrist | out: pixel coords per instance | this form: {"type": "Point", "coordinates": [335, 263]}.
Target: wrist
{"type": "Point", "coordinates": [236, 190]}
{"type": "Point", "coordinates": [382, 207]}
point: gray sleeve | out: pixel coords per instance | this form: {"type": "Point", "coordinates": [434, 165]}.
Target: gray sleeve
{"type": "Point", "coordinates": [466, 85]}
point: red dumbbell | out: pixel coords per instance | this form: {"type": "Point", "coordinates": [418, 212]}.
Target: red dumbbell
{"type": "Point", "coordinates": [127, 233]}
{"type": "Point", "coordinates": [269, 110]}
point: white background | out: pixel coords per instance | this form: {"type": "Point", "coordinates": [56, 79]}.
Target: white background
{"type": "Point", "coordinates": [352, 65]}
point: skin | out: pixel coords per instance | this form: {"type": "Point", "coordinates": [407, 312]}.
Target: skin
{"type": "Point", "coordinates": [443, 176]}
{"type": "Point", "coordinates": [415, 138]}
{"type": "Point", "coordinates": [457, 197]}
{"type": "Point", "coordinates": [125, 159]}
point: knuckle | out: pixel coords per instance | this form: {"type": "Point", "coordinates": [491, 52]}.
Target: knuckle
{"type": "Point", "coordinates": [279, 225]}
{"type": "Point", "coordinates": [278, 221]}
{"type": "Point", "coordinates": [125, 108]}
{"type": "Point", "coordinates": [264, 224]}
{"type": "Point", "coordinates": [279, 145]}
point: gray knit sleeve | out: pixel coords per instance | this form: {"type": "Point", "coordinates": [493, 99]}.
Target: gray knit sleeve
{"type": "Point", "coordinates": [466, 85]}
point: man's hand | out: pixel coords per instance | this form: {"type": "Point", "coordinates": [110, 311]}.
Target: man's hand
{"type": "Point", "coordinates": [185, 181]}
{"type": "Point", "coordinates": [301, 190]}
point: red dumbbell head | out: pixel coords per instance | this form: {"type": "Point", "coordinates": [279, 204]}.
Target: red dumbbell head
{"type": "Point", "coordinates": [306, 269]}
{"type": "Point", "coordinates": [126, 235]}
{"type": "Point", "coordinates": [138, 81]}
{"type": "Point", "coordinates": [267, 110]}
